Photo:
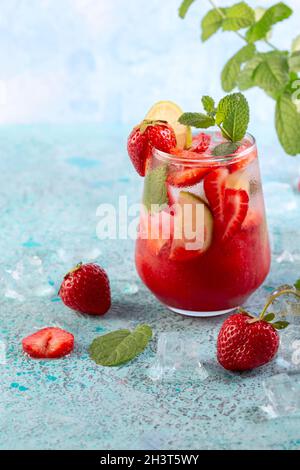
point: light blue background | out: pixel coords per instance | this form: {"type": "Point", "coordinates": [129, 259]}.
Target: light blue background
{"type": "Point", "coordinates": [100, 61]}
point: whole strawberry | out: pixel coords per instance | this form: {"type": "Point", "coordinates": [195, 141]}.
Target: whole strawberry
{"type": "Point", "coordinates": [86, 289]}
{"type": "Point", "coordinates": [145, 137]}
{"type": "Point", "coordinates": [244, 343]}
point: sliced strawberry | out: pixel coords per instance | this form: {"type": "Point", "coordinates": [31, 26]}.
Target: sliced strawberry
{"type": "Point", "coordinates": [214, 187]}
{"type": "Point", "coordinates": [242, 162]}
{"type": "Point", "coordinates": [236, 208]}
{"type": "Point", "coordinates": [185, 154]}
{"type": "Point", "coordinates": [49, 343]}
{"type": "Point", "coordinates": [201, 142]}
{"type": "Point", "coordinates": [187, 177]}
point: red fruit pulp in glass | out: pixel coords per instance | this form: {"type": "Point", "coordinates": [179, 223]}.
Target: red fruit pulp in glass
{"type": "Point", "coordinates": [222, 277]}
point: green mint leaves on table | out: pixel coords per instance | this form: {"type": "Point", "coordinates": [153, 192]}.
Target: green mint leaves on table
{"type": "Point", "coordinates": [120, 347]}
{"type": "Point", "coordinates": [275, 71]}
{"type": "Point", "coordinates": [231, 115]}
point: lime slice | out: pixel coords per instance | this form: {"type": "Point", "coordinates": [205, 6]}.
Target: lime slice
{"type": "Point", "coordinates": [170, 112]}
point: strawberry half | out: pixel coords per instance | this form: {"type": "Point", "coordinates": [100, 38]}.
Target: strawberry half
{"type": "Point", "coordinates": [187, 177]}
{"type": "Point", "coordinates": [214, 187]}
{"type": "Point", "coordinates": [236, 209]}
{"type": "Point", "coordinates": [145, 137]}
{"type": "Point", "coordinates": [49, 343]}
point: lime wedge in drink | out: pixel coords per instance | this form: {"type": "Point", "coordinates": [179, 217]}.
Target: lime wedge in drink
{"type": "Point", "coordinates": [170, 112]}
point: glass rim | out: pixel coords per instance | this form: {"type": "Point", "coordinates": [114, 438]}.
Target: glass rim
{"type": "Point", "coordinates": [206, 158]}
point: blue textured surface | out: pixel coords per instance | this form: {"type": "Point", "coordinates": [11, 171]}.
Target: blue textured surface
{"type": "Point", "coordinates": [51, 182]}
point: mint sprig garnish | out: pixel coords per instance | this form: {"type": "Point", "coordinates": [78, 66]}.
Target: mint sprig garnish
{"type": "Point", "coordinates": [198, 120]}
{"type": "Point", "coordinates": [231, 115]}
{"type": "Point", "coordinates": [120, 347]}
{"type": "Point", "coordinates": [276, 71]}
{"type": "Point", "coordinates": [208, 105]}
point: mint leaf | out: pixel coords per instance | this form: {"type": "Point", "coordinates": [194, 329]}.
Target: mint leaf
{"type": "Point", "coordinates": [227, 148]}
{"type": "Point", "coordinates": [222, 109]}
{"type": "Point", "coordinates": [287, 122]}
{"type": "Point", "coordinates": [297, 284]}
{"type": "Point", "coordinates": [208, 104]}
{"type": "Point", "coordinates": [294, 62]}
{"type": "Point", "coordinates": [233, 113]}
{"type": "Point", "coordinates": [246, 76]}
{"type": "Point", "coordinates": [232, 69]}
{"type": "Point", "coordinates": [155, 188]}
{"type": "Point", "coordinates": [120, 347]}
{"type": "Point", "coordinates": [198, 120]}
{"type": "Point", "coordinates": [272, 74]}
{"type": "Point", "coordinates": [280, 325]}
{"type": "Point", "coordinates": [238, 16]}
{"type": "Point", "coordinates": [184, 8]}
{"type": "Point", "coordinates": [212, 22]}
{"type": "Point", "coordinates": [273, 15]}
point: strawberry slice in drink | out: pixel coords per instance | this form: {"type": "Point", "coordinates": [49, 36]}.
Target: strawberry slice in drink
{"type": "Point", "coordinates": [201, 143]}
{"type": "Point", "coordinates": [48, 343]}
{"type": "Point", "coordinates": [236, 209]}
{"type": "Point", "coordinates": [186, 176]}
{"type": "Point", "coordinates": [215, 187]}
{"type": "Point", "coordinates": [240, 163]}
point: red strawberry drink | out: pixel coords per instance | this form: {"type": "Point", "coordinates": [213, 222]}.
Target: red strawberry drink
{"type": "Point", "coordinates": [203, 245]}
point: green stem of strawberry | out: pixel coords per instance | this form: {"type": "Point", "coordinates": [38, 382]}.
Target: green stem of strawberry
{"type": "Point", "coordinates": [275, 296]}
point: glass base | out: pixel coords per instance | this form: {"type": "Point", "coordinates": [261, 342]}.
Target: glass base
{"type": "Point", "coordinates": [189, 313]}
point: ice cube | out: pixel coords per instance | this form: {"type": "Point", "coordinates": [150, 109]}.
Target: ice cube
{"type": "Point", "coordinates": [291, 312]}
{"type": "Point", "coordinates": [130, 289]}
{"type": "Point", "coordinates": [289, 350]}
{"type": "Point", "coordinates": [27, 279]}
{"type": "Point", "coordinates": [178, 359]}
{"type": "Point", "coordinates": [285, 257]}
{"type": "Point", "coordinates": [283, 395]}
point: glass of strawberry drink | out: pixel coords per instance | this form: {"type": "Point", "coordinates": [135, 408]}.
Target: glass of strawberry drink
{"type": "Point", "coordinates": [203, 245]}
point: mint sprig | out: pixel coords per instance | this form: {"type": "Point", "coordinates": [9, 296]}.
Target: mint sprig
{"type": "Point", "coordinates": [184, 7]}
{"type": "Point", "coordinates": [272, 15]}
{"type": "Point", "coordinates": [120, 347]}
{"type": "Point", "coordinates": [275, 72]}
{"type": "Point", "coordinates": [231, 115]}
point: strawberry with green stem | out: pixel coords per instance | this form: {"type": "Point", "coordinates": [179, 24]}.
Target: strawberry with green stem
{"type": "Point", "coordinates": [246, 342]}
{"type": "Point", "coordinates": [147, 136]}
